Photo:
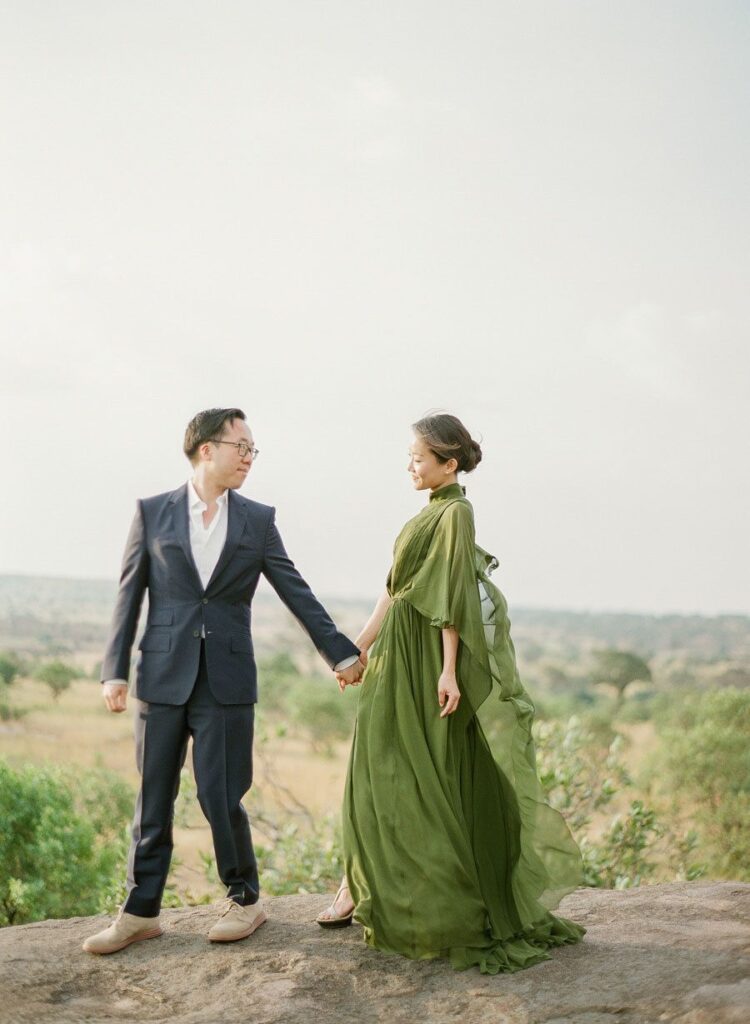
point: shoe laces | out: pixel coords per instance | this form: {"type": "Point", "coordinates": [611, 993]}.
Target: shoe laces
{"type": "Point", "coordinates": [229, 906]}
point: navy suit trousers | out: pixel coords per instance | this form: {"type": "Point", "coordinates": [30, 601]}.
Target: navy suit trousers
{"type": "Point", "coordinates": [223, 766]}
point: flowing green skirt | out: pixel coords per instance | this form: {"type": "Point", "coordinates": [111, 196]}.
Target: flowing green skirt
{"type": "Point", "coordinates": [447, 853]}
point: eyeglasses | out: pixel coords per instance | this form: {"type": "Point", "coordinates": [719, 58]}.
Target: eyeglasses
{"type": "Point", "coordinates": [243, 448]}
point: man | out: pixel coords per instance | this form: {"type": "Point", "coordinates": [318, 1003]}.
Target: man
{"type": "Point", "coordinates": [199, 551]}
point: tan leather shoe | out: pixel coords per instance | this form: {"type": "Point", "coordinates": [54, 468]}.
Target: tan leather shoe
{"type": "Point", "coordinates": [126, 928]}
{"type": "Point", "coordinates": [236, 922]}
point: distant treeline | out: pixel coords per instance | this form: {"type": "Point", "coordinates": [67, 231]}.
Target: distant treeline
{"type": "Point", "coordinates": [703, 637]}
{"type": "Point", "coordinates": [45, 614]}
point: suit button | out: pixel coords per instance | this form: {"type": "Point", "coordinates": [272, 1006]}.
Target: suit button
{"type": "Point", "coordinates": [205, 600]}
{"type": "Point", "coordinates": [196, 632]}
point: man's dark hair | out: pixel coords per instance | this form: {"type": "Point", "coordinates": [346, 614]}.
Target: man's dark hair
{"type": "Point", "coordinates": [208, 425]}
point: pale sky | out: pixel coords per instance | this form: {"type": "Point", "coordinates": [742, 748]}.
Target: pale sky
{"type": "Point", "coordinates": [338, 215]}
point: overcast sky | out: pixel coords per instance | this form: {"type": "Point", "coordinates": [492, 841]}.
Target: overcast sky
{"type": "Point", "coordinates": [338, 215]}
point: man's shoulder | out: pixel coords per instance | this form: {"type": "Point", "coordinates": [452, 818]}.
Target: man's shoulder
{"type": "Point", "coordinates": [157, 500]}
{"type": "Point", "coordinates": [254, 508]}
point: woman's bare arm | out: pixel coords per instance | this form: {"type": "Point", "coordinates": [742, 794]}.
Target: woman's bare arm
{"type": "Point", "coordinates": [448, 691]}
{"type": "Point", "coordinates": [369, 633]}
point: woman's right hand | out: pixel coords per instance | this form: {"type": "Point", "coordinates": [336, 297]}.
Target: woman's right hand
{"type": "Point", "coordinates": [448, 693]}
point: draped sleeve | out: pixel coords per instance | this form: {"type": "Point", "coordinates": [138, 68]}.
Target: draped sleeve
{"type": "Point", "coordinates": [444, 590]}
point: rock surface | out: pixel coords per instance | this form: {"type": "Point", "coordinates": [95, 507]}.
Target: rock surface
{"type": "Point", "coordinates": [677, 953]}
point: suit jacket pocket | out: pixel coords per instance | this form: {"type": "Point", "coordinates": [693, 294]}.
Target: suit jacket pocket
{"type": "Point", "coordinates": [155, 641]}
{"type": "Point", "coordinates": [242, 643]}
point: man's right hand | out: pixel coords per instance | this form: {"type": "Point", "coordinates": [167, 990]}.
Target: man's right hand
{"type": "Point", "coordinates": [115, 696]}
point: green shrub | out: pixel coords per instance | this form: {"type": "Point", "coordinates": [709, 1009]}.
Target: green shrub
{"type": "Point", "coordinates": [622, 856]}
{"type": "Point", "coordinates": [302, 859]}
{"type": "Point", "coordinates": [706, 757]}
{"type": "Point", "coordinates": [63, 841]}
{"type": "Point", "coordinates": [578, 775]}
{"type": "Point", "coordinates": [581, 777]}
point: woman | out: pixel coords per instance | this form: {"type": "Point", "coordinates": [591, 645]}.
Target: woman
{"type": "Point", "coordinates": [449, 850]}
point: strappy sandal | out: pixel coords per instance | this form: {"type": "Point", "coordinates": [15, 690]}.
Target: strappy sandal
{"type": "Point", "coordinates": [336, 921]}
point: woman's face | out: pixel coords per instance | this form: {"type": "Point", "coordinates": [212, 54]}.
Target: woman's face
{"type": "Point", "coordinates": [427, 472]}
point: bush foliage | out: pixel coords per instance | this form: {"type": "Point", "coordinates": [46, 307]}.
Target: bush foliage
{"type": "Point", "coordinates": [706, 757]}
{"type": "Point", "coordinates": [62, 841]}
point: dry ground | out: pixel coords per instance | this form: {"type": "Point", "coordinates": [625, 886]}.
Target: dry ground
{"type": "Point", "coordinates": [677, 953]}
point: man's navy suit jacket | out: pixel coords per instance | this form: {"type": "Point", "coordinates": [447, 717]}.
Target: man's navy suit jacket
{"type": "Point", "coordinates": [158, 558]}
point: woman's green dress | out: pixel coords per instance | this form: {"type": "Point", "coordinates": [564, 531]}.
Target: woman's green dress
{"type": "Point", "coordinates": [450, 847]}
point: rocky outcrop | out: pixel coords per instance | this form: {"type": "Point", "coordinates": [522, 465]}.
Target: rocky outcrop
{"type": "Point", "coordinates": [677, 953]}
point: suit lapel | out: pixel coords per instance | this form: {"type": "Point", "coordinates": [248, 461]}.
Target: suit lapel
{"type": "Point", "coordinates": [236, 519]}
{"type": "Point", "coordinates": [181, 526]}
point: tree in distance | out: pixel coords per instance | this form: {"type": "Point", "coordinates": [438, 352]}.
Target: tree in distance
{"type": "Point", "coordinates": [11, 667]}
{"type": "Point", "coordinates": [620, 669]}
{"type": "Point", "coordinates": [58, 676]}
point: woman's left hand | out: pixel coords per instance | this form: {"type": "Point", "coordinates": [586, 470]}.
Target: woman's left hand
{"type": "Point", "coordinates": [448, 693]}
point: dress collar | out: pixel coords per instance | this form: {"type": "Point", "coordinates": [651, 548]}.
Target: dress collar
{"type": "Point", "coordinates": [450, 491]}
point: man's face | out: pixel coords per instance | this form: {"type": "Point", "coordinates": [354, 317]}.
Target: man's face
{"type": "Point", "coordinates": [222, 462]}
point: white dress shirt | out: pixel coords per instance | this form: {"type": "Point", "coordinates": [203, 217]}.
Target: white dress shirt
{"type": "Point", "coordinates": [207, 543]}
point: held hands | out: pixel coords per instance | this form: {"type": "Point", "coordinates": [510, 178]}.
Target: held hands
{"type": "Point", "coordinates": [115, 696]}
{"type": "Point", "coordinates": [352, 675]}
{"type": "Point", "coordinates": [448, 693]}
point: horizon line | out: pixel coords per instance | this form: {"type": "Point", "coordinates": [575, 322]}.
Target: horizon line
{"type": "Point", "coordinates": [331, 598]}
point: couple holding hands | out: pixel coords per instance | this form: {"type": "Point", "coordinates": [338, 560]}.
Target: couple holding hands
{"type": "Point", "coordinates": [450, 847]}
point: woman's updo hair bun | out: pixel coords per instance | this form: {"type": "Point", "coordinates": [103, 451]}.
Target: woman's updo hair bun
{"type": "Point", "coordinates": [447, 438]}
{"type": "Point", "coordinates": [474, 457]}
